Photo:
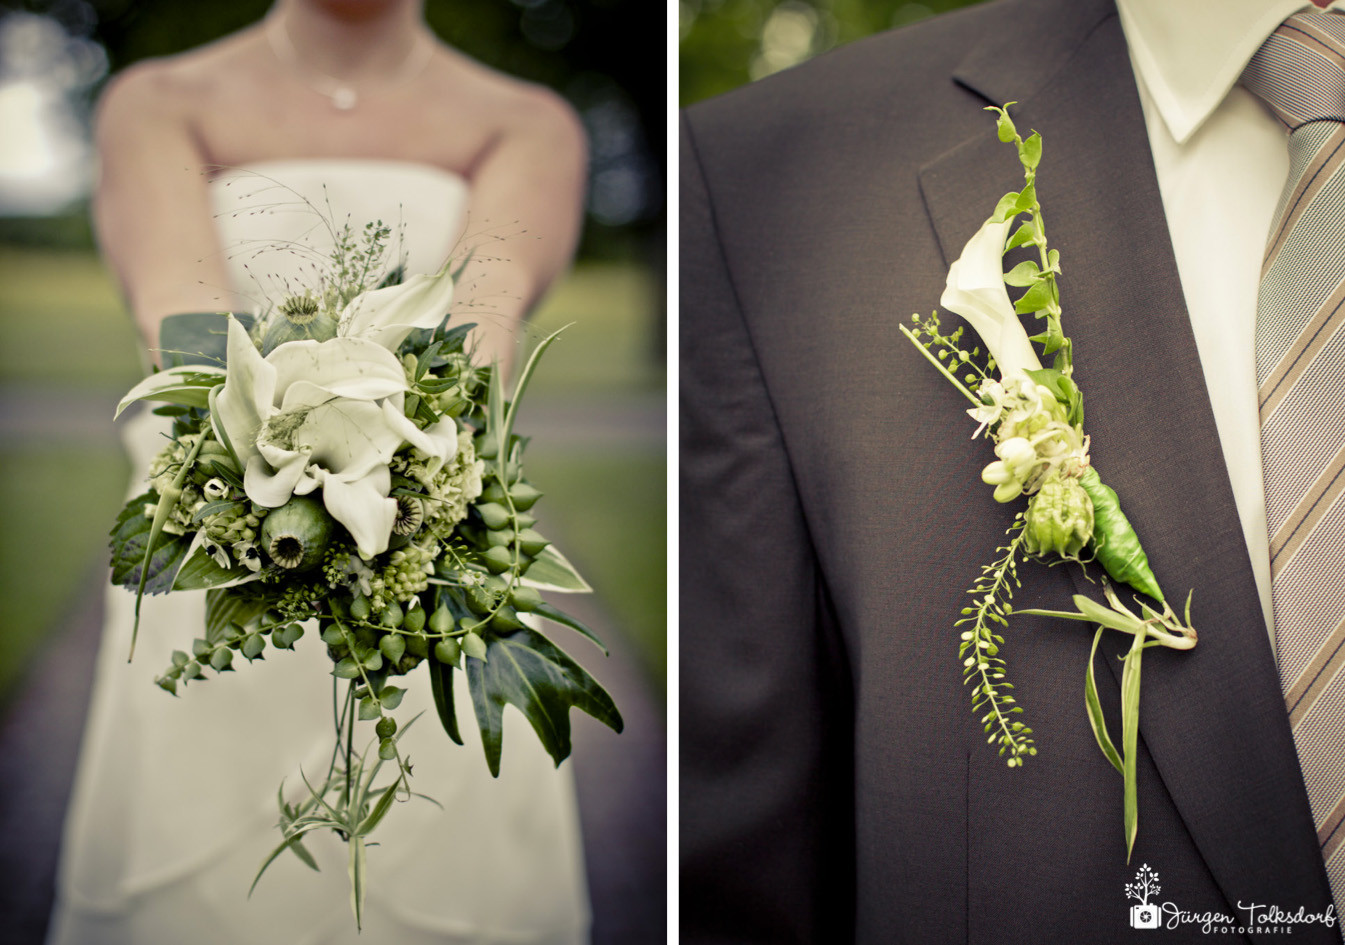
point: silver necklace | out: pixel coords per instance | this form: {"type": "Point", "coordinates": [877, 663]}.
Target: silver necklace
{"type": "Point", "coordinates": [342, 94]}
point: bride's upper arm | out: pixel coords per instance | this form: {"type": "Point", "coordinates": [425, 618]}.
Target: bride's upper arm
{"type": "Point", "coordinates": [151, 206]}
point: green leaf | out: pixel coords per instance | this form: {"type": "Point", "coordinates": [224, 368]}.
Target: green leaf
{"type": "Point", "coordinates": [524, 377]}
{"type": "Point", "coordinates": [1027, 199]}
{"type": "Point", "coordinates": [1053, 260]}
{"type": "Point", "coordinates": [551, 613]}
{"type": "Point", "coordinates": [200, 571]}
{"type": "Point", "coordinates": [1130, 729]}
{"type": "Point", "coordinates": [1063, 388]}
{"type": "Point", "coordinates": [1034, 299]}
{"type": "Point", "coordinates": [1029, 152]}
{"type": "Point", "coordinates": [527, 671]}
{"type": "Point", "coordinates": [293, 843]}
{"type": "Point", "coordinates": [1095, 717]}
{"type": "Point", "coordinates": [197, 337]}
{"type": "Point", "coordinates": [1022, 236]}
{"type": "Point", "coordinates": [1025, 273]}
{"type": "Point", "coordinates": [129, 538]}
{"type": "Point", "coordinates": [380, 810]}
{"type": "Point", "coordinates": [1007, 207]}
{"type": "Point", "coordinates": [188, 386]}
{"type": "Point", "coordinates": [441, 684]}
{"type": "Point", "coordinates": [226, 606]}
{"type": "Point", "coordinates": [368, 709]}
{"type": "Point", "coordinates": [552, 571]}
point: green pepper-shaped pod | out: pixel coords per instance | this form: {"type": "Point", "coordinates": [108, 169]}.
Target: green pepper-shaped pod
{"type": "Point", "coordinates": [1059, 518]}
{"type": "Point", "coordinates": [1117, 546]}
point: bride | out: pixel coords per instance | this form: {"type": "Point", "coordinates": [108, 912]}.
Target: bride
{"type": "Point", "coordinates": [217, 167]}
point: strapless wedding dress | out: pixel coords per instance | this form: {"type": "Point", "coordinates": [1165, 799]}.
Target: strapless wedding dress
{"type": "Point", "coordinates": [174, 805]}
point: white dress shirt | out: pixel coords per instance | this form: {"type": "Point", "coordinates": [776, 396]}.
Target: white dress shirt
{"type": "Point", "coordinates": [1222, 160]}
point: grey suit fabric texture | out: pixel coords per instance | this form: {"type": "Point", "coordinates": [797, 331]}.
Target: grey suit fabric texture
{"type": "Point", "coordinates": [834, 783]}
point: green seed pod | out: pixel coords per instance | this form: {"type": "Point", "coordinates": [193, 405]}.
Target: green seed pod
{"type": "Point", "coordinates": [524, 520]}
{"type": "Point", "coordinates": [501, 538]}
{"type": "Point", "coordinates": [298, 320]}
{"type": "Point", "coordinates": [526, 599]}
{"type": "Point", "coordinates": [414, 619]}
{"type": "Point", "coordinates": [392, 615]}
{"type": "Point", "coordinates": [497, 559]}
{"type": "Point", "coordinates": [474, 646]}
{"type": "Point", "coordinates": [331, 635]}
{"type": "Point", "coordinates": [418, 645]}
{"type": "Point", "coordinates": [447, 651]}
{"type": "Point", "coordinates": [442, 619]}
{"type": "Point", "coordinates": [524, 495]}
{"type": "Point", "coordinates": [408, 662]}
{"type": "Point", "coordinates": [192, 670]}
{"type": "Point", "coordinates": [386, 727]}
{"type": "Point", "coordinates": [531, 542]}
{"type": "Point", "coordinates": [1059, 518]}
{"type": "Point", "coordinates": [166, 684]}
{"type": "Point", "coordinates": [221, 659]}
{"type": "Point", "coordinates": [493, 492]}
{"type": "Point", "coordinates": [393, 646]}
{"type": "Point", "coordinates": [495, 516]}
{"type": "Point", "coordinates": [387, 749]}
{"type": "Point", "coordinates": [487, 447]}
{"type": "Point", "coordinates": [346, 669]}
{"type": "Point", "coordinates": [359, 608]}
{"type": "Point", "coordinates": [253, 644]}
{"type": "Point", "coordinates": [296, 534]}
{"type": "Point", "coordinates": [479, 600]}
{"type": "Point", "coordinates": [506, 620]}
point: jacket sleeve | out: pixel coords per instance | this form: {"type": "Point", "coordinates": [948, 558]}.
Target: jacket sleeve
{"type": "Point", "coordinates": [765, 699]}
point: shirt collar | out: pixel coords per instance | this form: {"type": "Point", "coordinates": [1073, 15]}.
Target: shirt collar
{"type": "Point", "coordinates": [1189, 53]}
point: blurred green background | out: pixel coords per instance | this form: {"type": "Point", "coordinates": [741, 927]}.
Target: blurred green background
{"type": "Point", "coordinates": [726, 43]}
{"type": "Point", "coordinates": [595, 409]}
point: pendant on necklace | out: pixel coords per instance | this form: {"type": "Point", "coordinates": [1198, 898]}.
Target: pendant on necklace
{"type": "Point", "coordinates": [344, 98]}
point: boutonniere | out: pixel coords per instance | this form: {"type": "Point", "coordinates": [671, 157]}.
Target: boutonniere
{"type": "Point", "coordinates": [1034, 415]}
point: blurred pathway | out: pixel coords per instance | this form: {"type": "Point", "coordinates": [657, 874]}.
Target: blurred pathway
{"type": "Point", "coordinates": [621, 780]}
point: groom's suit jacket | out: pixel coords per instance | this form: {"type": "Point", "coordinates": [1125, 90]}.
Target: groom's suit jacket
{"type": "Point", "coordinates": [835, 785]}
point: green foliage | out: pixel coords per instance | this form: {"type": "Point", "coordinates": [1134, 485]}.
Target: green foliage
{"type": "Point", "coordinates": [526, 670]}
{"type": "Point", "coordinates": [131, 537]}
{"type": "Point", "coordinates": [982, 666]}
{"type": "Point", "coordinates": [727, 43]}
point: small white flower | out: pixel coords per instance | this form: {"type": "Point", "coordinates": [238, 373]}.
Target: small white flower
{"type": "Point", "coordinates": [215, 489]}
{"type": "Point", "coordinates": [976, 291]}
{"type": "Point", "coordinates": [247, 553]}
{"type": "Point", "coordinates": [218, 552]}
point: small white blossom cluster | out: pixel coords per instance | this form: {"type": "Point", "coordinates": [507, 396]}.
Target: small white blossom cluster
{"type": "Point", "coordinates": [163, 470]}
{"type": "Point", "coordinates": [450, 489]}
{"type": "Point", "coordinates": [1033, 436]}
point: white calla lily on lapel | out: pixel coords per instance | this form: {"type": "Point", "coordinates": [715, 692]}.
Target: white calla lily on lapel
{"type": "Point", "coordinates": [976, 291]}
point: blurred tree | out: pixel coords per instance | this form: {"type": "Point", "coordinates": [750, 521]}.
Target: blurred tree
{"type": "Point", "coordinates": [725, 43]}
{"type": "Point", "coordinates": [594, 52]}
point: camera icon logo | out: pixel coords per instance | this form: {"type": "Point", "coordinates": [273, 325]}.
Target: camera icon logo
{"type": "Point", "coordinates": [1144, 917]}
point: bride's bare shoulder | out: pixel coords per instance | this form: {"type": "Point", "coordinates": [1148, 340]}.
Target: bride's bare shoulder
{"type": "Point", "coordinates": [173, 89]}
{"type": "Point", "coordinates": [503, 101]}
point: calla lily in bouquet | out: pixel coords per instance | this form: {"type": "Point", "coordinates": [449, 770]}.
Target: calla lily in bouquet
{"type": "Point", "coordinates": [344, 467]}
{"type": "Point", "coordinates": [1034, 416]}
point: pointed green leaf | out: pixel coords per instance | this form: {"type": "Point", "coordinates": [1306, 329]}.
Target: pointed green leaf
{"type": "Point", "coordinates": [1029, 152]}
{"type": "Point", "coordinates": [441, 684]}
{"type": "Point", "coordinates": [1025, 273]}
{"type": "Point", "coordinates": [129, 537]}
{"type": "Point", "coordinates": [1094, 705]}
{"type": "Point", "coordinates": [226, 606]}
{"type": "Point", "coordinates": [1130, 730]}
{"type": "Point", "coordinates": [200, 572]}
{"type": "Point", "coordinates": [527, 671]}
{"type": "Point", "coordinates": [187, 386]}
{"type": "Point", "coordinates": [1007, 207]}
{"type": "Point", "coordinates": [1034, 299]}
{"type": "Point", "coordinates": [357, 869]}
{"type": "Point", "coordinates": [1022, 236]}
{"type": "Point", "coordinates": [552, 571]}
{"type": "Point", "coordinates": [551, 613]}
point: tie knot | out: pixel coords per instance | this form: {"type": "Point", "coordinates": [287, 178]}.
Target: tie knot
{"type": "Point", "coordinates": [1300, 70]}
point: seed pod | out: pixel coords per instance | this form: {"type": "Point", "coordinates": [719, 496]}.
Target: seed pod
{"type": "Point", "coordinates": [442, 619]}
{"type": "Point", "coordinates": [418, 645]}
{"type": "Point", "coordinates": [526, 599]}
{"type": "Point", "coordinates": [497, 559]}
{"type": "Point", "coordinates": [493, 492]}
{"type": "Point", "coordinates": [447, 651]}
{"type": "Point", "coordinates": [386, 727]}
{"type": "Point", "coordinates": [524, 495]}
{"type": "Point", "coordinates": [393, 646]}
{"type": "Point", "coordinates": [296, 534]}
{"type": "Point", "coordinates": [505, 620]}
{"type": "Point", "coordinates": [1059, 518]}
{"type": "Point", "coordinates": [414, 619]}
{"type": "Point", "coordinates": [331, 635]}
{"type": "Point", "coordinates": [410, 515]}
{"type": "Point", "coordinates": [531, 542]}
{"type": "Point", "coordinates": [387, 749]}
{"type": "Point", "coordinates": [253, 644]}
{"type": "Point", "coordinates": [221, 659]}
{"type": "Point", "coordinates": [359, 608]}
{"type": "Point", "coordinates": [495, 516]}
{"type": "Point", "coordinates": [392, 615]}
{"type": "Point", "coordinates": [474, 646]}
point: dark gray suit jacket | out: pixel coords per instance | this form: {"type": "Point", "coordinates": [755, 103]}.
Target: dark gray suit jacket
{"type": "Point", "coordinates": [835, 784]}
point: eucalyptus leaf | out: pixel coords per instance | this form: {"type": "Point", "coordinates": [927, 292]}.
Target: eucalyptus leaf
{"type": "Point", "coordinates": [197, 338]}
{"type": "Point", "coordinates": [526, 670]}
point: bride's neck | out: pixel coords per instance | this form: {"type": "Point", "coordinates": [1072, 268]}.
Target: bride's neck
{"type": "Point", "coordinates": [350, 39]}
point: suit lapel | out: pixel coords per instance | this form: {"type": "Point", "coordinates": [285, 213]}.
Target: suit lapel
{"type": "Point", "coordinates": [1213, 719]}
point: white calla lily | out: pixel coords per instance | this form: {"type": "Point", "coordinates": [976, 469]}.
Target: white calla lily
{"type": "Point", "coordinates": [322, 415]}
{"type": "Point", "coordinates": [388, 315]}
{"type": "Point", "coordinates": [976, 291]}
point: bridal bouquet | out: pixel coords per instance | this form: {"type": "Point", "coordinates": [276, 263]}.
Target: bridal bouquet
{"type": "Point", "coordinates": [1035, 417]}
{"type": "Point", "coordinates": [342, 468]}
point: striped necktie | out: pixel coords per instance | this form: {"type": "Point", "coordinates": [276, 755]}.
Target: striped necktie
{"type": "Point", "coordinates": [1300, 366]}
